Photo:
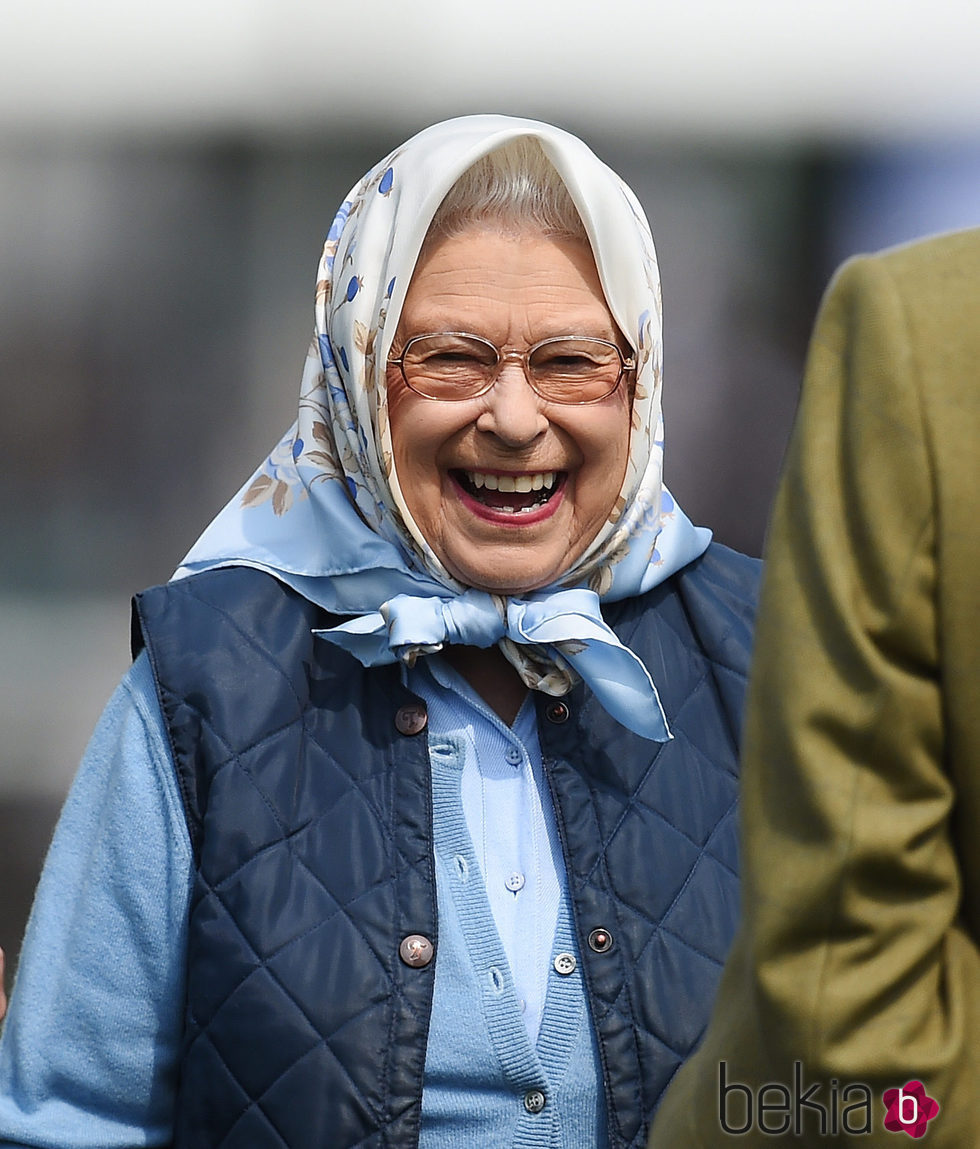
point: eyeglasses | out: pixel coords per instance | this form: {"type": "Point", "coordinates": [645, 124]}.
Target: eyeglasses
{"type": "Point", "coordinates": [454, 365]}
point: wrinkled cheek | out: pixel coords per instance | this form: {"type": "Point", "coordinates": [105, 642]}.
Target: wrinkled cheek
{"type": "Point", "coordinates": [396, 392]}
{"type": "Point", "coordinates": [401, 417]}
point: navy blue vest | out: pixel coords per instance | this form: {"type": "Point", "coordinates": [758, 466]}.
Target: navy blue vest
{"type": "Point", "coordinates": [308, 802]}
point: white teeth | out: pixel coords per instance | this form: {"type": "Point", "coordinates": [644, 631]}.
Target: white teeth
{"type": "Point", "coordinates": [510, 483]}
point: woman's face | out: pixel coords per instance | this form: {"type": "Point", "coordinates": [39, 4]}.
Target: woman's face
{"type": "Point", "coordinates": [514, 291]}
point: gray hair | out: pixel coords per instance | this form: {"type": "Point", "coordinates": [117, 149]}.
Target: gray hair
{"type": "Point", "coordinates": [515, 187]}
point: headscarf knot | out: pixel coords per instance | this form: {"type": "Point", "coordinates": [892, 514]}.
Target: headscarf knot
{"type": "Point", "coordinates": [567, 624]}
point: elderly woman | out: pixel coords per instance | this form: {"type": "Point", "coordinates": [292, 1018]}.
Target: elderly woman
{"type": "Point", "coordinates": [412, 823]}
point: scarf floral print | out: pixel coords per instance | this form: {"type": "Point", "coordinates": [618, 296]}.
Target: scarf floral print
{"type": "Point", "coordinates": [325, 514]}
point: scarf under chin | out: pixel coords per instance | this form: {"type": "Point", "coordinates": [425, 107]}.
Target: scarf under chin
{"type": "Point", "coordinates": [324, 512]}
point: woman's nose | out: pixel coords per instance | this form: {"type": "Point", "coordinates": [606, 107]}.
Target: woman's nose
{"type": "Point", "coordinates": [513, 408]}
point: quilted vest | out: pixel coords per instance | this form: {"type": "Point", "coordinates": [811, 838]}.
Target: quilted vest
{"type": "Point", "coordinates": [307, 794]}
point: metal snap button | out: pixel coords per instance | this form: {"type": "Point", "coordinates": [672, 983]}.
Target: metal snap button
{"type": "Point", "coordinates": [534, 1101]}
{"type": "Point", "coordinates": [515, 882]}
{"type": "Point", "coordinates": [416, 950]}
{"type": "Point", "coordinates": [411, 719]}
{"type": "Point", "coordinates": [557, 712]}
{"type": "Point", "coordinates": [565, 964]}
{"type": "Point", "coordinates": [600, 940]}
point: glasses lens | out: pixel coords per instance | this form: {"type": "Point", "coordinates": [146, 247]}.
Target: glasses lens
{"type": "Point", "coordinates": [574, 370]}
{"type": "Point", "coordinates": [449, 366]}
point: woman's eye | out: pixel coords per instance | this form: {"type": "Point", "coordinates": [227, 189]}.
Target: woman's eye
{"type": "Point", "coordinates": [453, 361]}
{"type": "Point", "coordinates": [566, 365]}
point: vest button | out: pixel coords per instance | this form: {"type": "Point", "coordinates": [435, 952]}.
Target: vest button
{"type": "Point", "coordinates": [601, 941]}
{"type": "Point", "coordinates": [534, 1101]}
{"type": "Point", "coordinates": [411, 719]}
{"type": "Point", "coordinates": [416, 950]}
{"type": "Point", "coordinates": [557, 712]}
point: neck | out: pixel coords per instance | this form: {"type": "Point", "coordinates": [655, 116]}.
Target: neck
{"type": "Point", "coordinates": [491, 676]}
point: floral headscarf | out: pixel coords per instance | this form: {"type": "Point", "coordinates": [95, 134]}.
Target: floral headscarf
{"type": "Point", "coordinates": [325, 514]}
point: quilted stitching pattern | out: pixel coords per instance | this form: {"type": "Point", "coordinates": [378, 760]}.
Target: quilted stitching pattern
{"type": "Point", "coordinates": [660, 873]}
{"type": "Point", "coordinates": [301, 897]}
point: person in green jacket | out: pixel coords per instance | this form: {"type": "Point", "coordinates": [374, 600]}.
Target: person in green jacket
{"type": "Point", "coordinates": [849, 1009]}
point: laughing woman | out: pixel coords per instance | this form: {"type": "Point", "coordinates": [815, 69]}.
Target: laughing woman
{"type": "Point", "coordinates": [413, 821]}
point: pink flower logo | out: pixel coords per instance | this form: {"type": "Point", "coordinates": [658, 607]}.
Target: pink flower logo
{"type": "Point", "coordinates": [910, 1109]}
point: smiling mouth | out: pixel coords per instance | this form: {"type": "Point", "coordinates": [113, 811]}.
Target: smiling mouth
{"type": "Point", "coordinates": [511, 494]}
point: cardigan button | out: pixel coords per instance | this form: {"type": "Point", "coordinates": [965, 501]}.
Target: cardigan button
{"type": "Point", "coordinates": [565, 964]}
{"type": "Point", "coordinates": [601, 941]}
{"type": "Point", "coordinates": [411, 719]}
{"type": "Point", "coordinates": [557, 712]}
{"type": "Point", "coordinates": [416, 950]}
{"type": "Point", "coordinates": [534, 1101]}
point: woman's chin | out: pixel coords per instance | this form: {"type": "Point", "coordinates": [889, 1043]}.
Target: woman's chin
{"type": "Point", "coordinates": [506, 576]}
{"type": "Point", "coordinates": [509, 590]}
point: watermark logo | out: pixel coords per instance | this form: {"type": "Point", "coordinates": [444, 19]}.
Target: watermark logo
{"type": "Point", "coordinates": [799, 1108]}
{"type": "Point", "coordinates": [910, 1109]}
{"type": "Point", "coordinates": [826, 1108]}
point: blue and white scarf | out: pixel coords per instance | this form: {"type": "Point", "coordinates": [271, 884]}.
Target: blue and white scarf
{"type": "Point", "coordinates": [324, 513]}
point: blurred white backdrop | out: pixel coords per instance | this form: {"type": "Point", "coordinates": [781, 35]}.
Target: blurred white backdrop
{"type": "Point", "coordinates": [840, 68]}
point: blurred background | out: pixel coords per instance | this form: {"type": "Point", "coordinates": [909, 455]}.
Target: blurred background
{"type": "Point", "coordinates": [167, 175]}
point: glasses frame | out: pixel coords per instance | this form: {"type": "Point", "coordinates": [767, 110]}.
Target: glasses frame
{"type": "Point", "coordinates": [627, 364]}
